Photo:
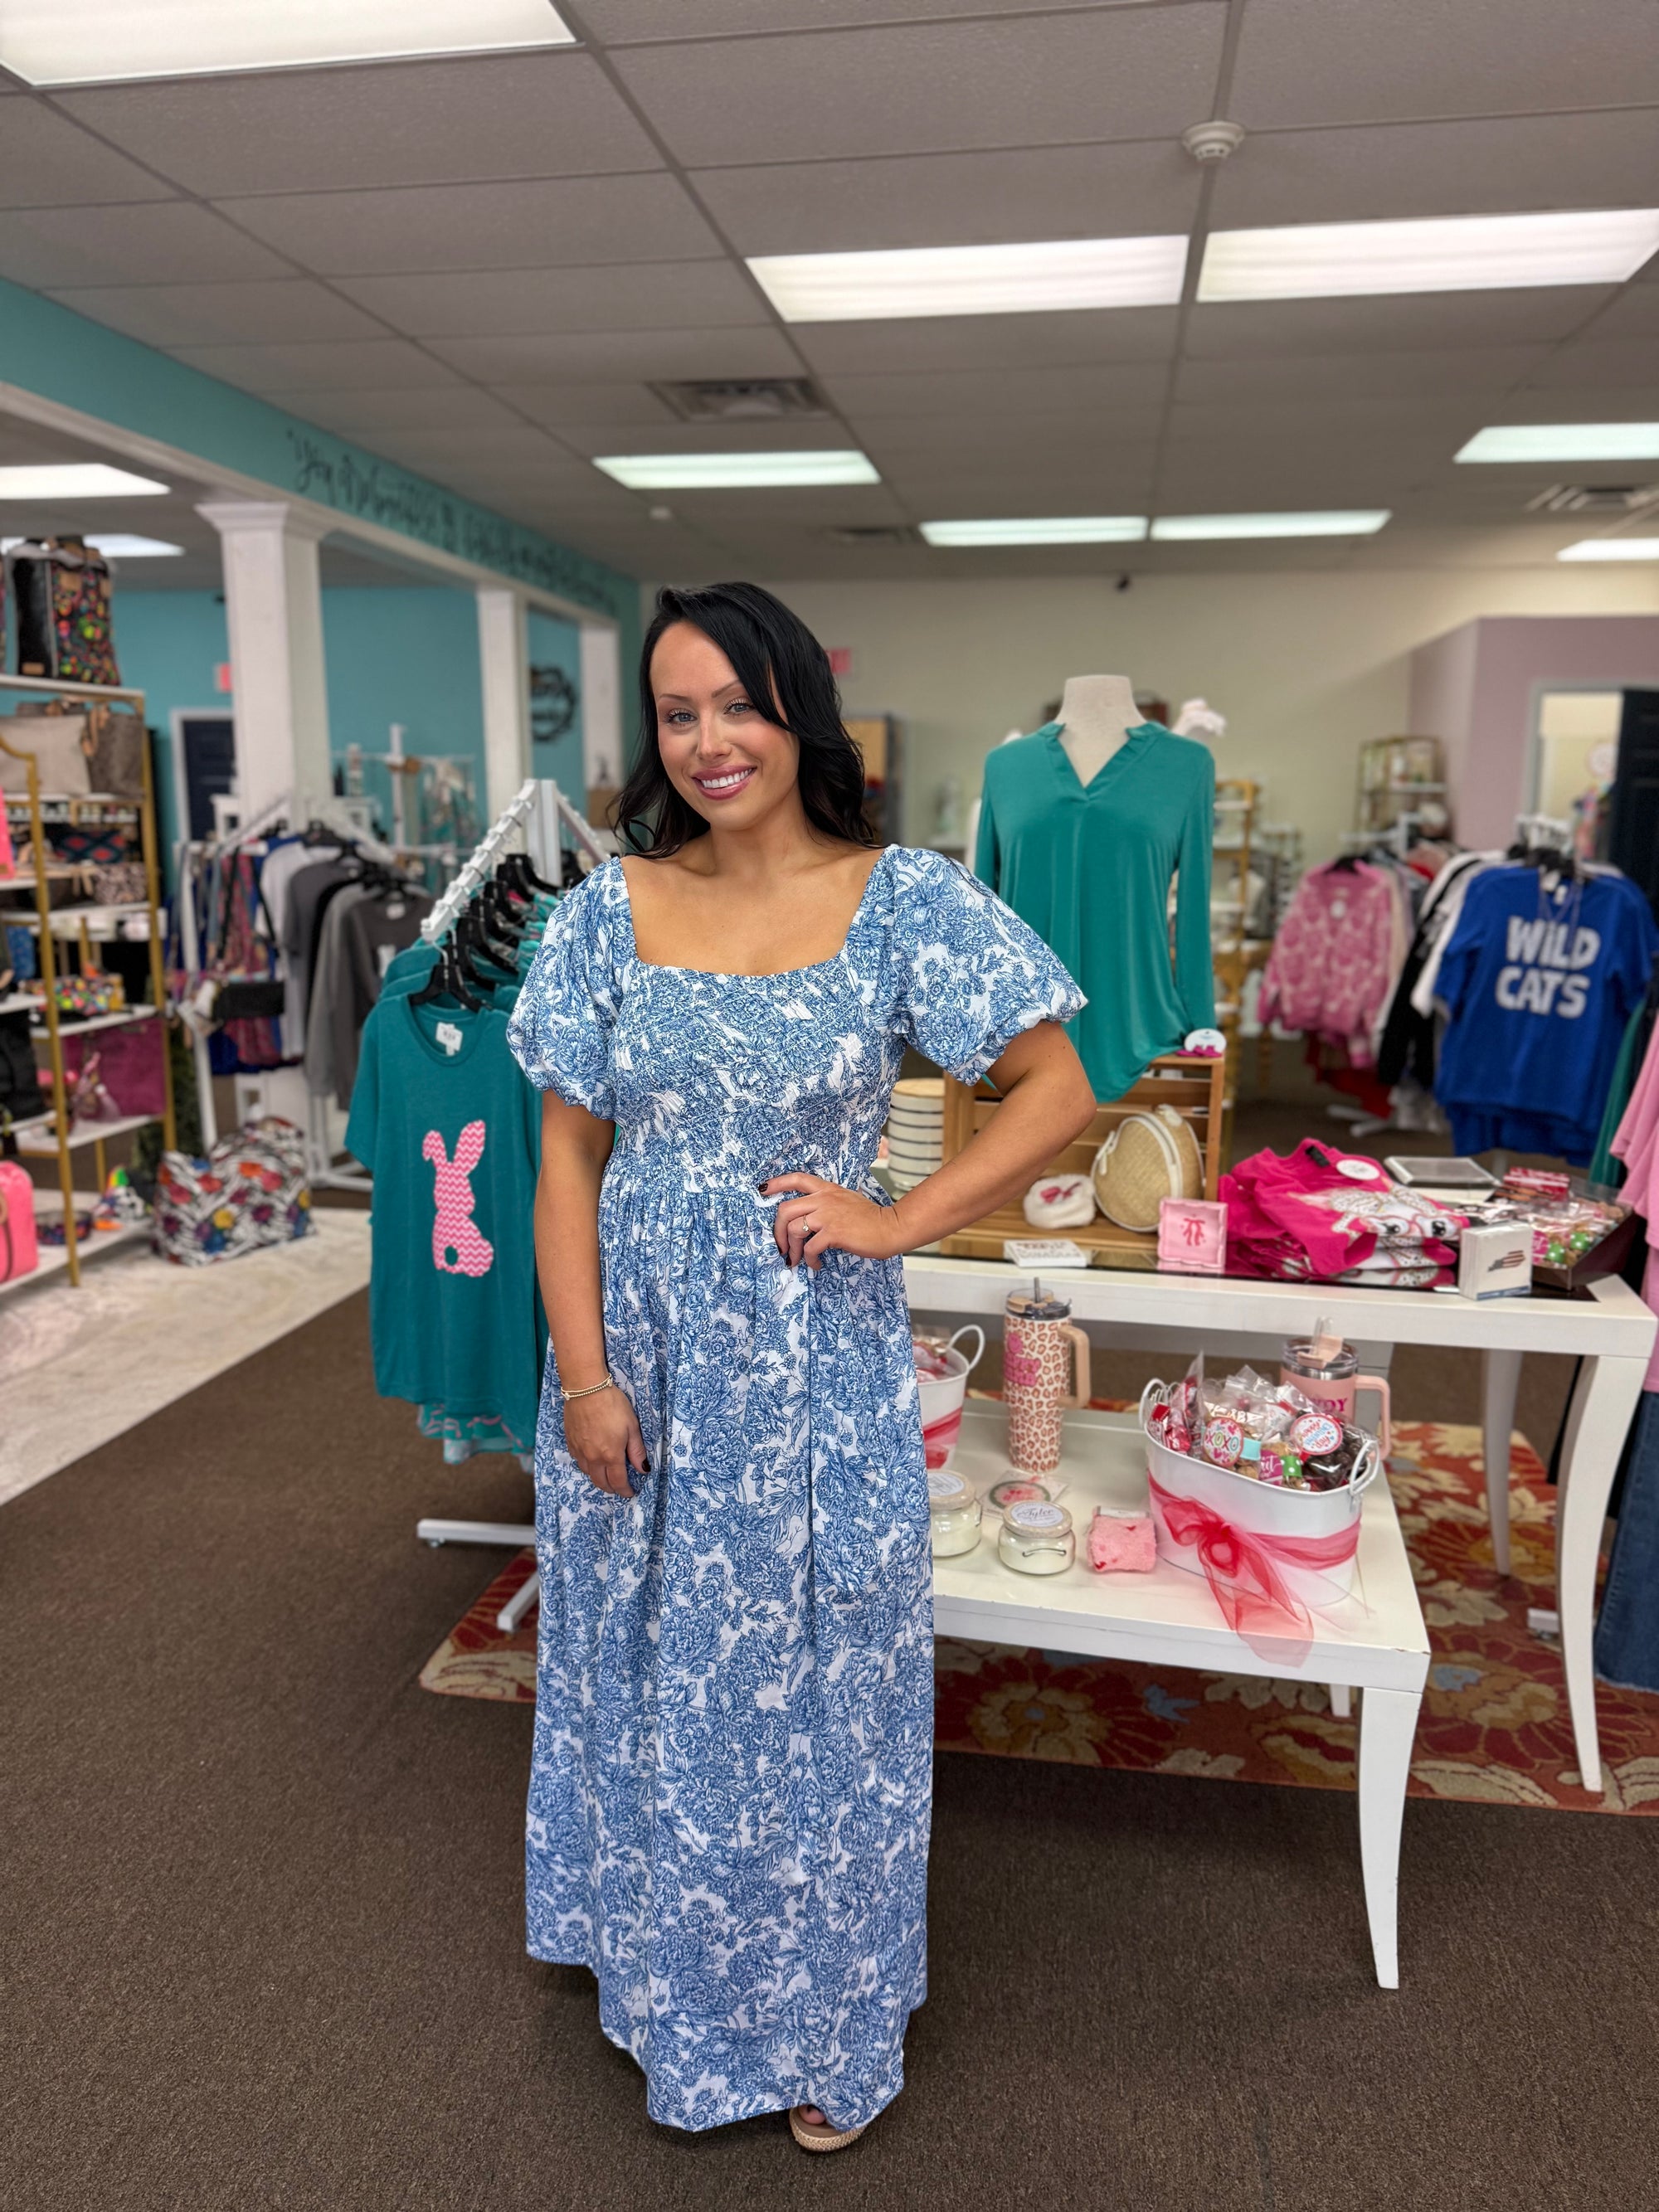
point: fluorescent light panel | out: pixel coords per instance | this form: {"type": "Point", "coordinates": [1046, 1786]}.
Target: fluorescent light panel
{"type": "Point", "coordinates": [1455, 254]}
{"type": "Point", "coordinates": [1563, 441]}
{"type": "Point", "coordinates": [74, 480]}
{"type": "Point", "coordinates": [973, 280]}
{"type": "Point", "coordinates": [1336, 522]}
{"type": "Point", "coordinates": [1611, 549]}
{"type": "Point", "coordinates": [1051, 530]}
{"type": "Point", "coordinates": [104, 40]}
{"type": "Point", "coordinates": [735, 472]}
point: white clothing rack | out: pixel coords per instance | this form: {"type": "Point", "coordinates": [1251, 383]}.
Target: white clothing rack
{"type": "Point", "coordinates": [542, 808]}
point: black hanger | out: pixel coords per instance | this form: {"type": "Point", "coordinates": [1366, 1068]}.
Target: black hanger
{"type": "Point", "coordinates": [505, 917]}
{"type": "Point", "coordinates": [475, 947]}
{"type": "Point", "coordinates": [516, 871]}
{"type": "Point", "coordinates": [449, 980]}
{"type": "Point", "coordinates": [1346, 863]}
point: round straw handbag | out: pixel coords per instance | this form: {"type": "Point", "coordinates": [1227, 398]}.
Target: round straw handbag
{"type": "Point", "coordinates": [1147, 1158]}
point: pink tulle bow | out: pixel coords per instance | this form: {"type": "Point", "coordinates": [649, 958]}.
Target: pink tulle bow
{"type": "Point", "coordinates": [1241, 1568]}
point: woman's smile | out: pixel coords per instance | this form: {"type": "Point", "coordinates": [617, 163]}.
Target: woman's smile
{"type": "Point", "coordinates": [721, 783]}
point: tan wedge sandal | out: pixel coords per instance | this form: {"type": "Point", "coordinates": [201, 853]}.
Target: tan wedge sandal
{"type": "Point", "coordinates": [819, 2135]}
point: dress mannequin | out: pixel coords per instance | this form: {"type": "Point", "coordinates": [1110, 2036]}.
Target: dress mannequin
{"type": "Point", "coordinates": [1097, 713]}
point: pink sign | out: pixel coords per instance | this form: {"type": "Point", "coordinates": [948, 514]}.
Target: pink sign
{"type": "Point", "coordinates": [841, 659]}
{"type": "Point", "coordinates": [1192, 1235]}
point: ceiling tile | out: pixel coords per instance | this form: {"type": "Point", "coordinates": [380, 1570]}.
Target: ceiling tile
{"type": "Point", "coordinates": [528, 302]}
{"type": "Point", "coordinates": [1359, 423]}
{"type": "Point", "coordinates": [155, 242]}
{"type": "Point", "coordinates": [211, 314]}
{"type": "Point", "coordinates": [549, 222]}
{"type": "Point", "coordinates": [637, 356]}
{"type": "Point", "coordinates": [1141, 189]}
{"type": "Point", "coordinates": [46, 161]}
{"type": "Point", "coordinates": [1330, 61]}
{"type": "Point", "coordinates": [1382, 375]}
{"type": "Point", "coordinates": [354, 414]}
{"type": "Point", "coordinates": [414, 122]}
{"type": "Point", "coordinates": [1631, 363]}
{"type": "Point", "coordinates": [1396, 171]}
{"type": "Point", "coordinates": [465, 445]}
{"type": "Point", "coordinates": [370, 364]}
{"type": "Point", "coordinates": [1011, 439]}
{"type": "Point", "coordinates": [617, 22]}
{"type": "Point", "coordinates": [1027, 392]}
{"type": "Point", "coordinates": [608, 406]}
{"type": "Point", "coordinates": [1633, 314]}
{"type": "Point", "coordinates": [1401, 322]}
{"type": "Point", "coordinates": [965, 342]}
{"type": "Point", "coordinates": [1038, 80]}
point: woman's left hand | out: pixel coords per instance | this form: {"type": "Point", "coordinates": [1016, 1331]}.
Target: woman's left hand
{"type": "Point", "coordinates": [820, 1216]}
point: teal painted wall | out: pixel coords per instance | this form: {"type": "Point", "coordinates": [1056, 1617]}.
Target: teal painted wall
{"type": "Point", "coordinates": [409, 656]}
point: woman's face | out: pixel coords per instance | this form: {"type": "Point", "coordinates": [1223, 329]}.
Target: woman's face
{"type": "Point", "coordinates": [721, 753]}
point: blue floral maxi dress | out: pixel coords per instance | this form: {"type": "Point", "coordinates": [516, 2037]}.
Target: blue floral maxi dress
{"type": "Point", "coordinates": [732, 1778]}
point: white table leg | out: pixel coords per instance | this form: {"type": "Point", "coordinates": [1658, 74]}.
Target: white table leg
{"type": "Point", "coordinates": [1500, 1381]}
{"type": "Point", "coordinates": [1341, 1700]}
{"type": "Point", "coordinates": [1602, 1406]}
{"type": "Point", "coordinates": [1388, 1722]}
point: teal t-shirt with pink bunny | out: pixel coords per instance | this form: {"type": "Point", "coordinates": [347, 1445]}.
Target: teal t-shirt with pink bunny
{"type": "Point", "coordinates": [452, 1133]}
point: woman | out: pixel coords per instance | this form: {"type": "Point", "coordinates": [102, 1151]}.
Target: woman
{"type": "Point", "coordinates": [732, 1779]}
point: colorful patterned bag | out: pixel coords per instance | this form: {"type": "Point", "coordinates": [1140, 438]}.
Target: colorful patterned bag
{"type": "Point", "coordinates": [61, 588]}
{"type": "Point", "coordinates": [249, 1191]}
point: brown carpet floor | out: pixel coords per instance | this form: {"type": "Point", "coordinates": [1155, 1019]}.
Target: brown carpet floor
{"type": "Point", "coordinates": [259, 1909]}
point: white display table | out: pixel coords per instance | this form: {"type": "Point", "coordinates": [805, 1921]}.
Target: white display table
{"type": "Point", "coordinates": [1374, 1641]}
{"type": "Point", "coordinates": [1612, 1331]}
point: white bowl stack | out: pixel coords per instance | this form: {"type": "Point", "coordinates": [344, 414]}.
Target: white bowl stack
{"type": "Point", "coordinates": [915, 1130]}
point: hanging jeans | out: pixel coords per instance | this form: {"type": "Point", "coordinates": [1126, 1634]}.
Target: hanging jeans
{"type": "Point", "coordinates": [1627, 1629]}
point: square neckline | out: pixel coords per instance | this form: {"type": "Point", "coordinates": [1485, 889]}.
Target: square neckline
{"type": "Point", "coordinates": [728, 975]}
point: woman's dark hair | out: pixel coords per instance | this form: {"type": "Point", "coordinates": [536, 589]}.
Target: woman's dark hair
{"type": "Point", "coordinates": [786, 672]}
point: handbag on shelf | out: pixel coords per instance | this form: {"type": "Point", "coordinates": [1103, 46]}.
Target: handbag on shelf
{"type": "Point", "coordinates": [1147, 1158]}
{"type": "Point", "coordinates": [249, 1191]}
{"type": "Point", "coordinates": [114, 745]}
{"type": "Point", "coordinates": [81, 997]}
{"type": "Point", "coordinates": [122, 883]}
{"type": "Point", "coordinates": [90, 1098]}
{"type": "Point", "coordinates": [61, 590]}
{"type": "Point", "coordinates": [55, 742]}
{"type": "Point", "coordinates": [131, 1063]}
{"type": "Point", "coordinates": [22, 1093]}
{"type": "Point", "coordinates": [20, 1251]}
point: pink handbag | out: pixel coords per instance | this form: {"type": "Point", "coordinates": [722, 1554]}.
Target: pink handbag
{"type": "Point", "coordinates": [20, 1253]}
{"type": "Point", "coordinates": [130, 1065]}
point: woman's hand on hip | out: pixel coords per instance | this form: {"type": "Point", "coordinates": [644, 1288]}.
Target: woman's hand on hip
{"type": "Point", "coordinates": [817, 1217]}
{"type": "Point", "coordinates": [602, 1435]}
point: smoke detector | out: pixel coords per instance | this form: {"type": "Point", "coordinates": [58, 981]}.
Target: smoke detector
{"type": "Point", "coordinates": [1212, 141]}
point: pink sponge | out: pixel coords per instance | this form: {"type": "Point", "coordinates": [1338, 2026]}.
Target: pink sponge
{"type": "Point", "coordinates": [1122, 1543]}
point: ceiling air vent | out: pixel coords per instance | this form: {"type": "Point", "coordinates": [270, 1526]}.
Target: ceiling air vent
{"type": "Point", "coordinates": [1594, 499]}
{"type": "Point", "coordinates": [754, 399]}
{"type": "Point", "coordinates": [874, 533]}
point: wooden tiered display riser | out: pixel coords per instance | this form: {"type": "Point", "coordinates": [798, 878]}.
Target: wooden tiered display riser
{"type": "Point", "coordinates": [1195, 1087]}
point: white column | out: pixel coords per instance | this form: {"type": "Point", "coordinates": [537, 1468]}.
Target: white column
{"type": "Point", "coordinates": [504, 666]}
{"type": "Point", "coordinates": [274, 614]}
{"type": "Point", "coordinates": [602, 725]}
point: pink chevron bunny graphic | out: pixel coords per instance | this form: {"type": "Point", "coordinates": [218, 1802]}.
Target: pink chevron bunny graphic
{"type": "Point", "coordinates": [458, 1246]}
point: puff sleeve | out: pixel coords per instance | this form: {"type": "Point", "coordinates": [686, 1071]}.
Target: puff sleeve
{"type": "Point", "coordinates": [560, 1029]}
{"type": "Point", "coordinates": [973, 976]}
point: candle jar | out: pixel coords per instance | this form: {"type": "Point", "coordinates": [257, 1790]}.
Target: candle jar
{"type": "Point", "coordinates": [1037, 1539]}
{"type": "Point", "coordinates": [954, 1513]}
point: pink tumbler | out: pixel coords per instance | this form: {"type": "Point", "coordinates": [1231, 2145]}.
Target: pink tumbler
{"type": "Point", "coordinates": [1039, 1342]}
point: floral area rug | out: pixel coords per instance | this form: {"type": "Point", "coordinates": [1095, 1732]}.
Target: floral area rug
{"type": "Point", "coordinates": [1494, 1722]}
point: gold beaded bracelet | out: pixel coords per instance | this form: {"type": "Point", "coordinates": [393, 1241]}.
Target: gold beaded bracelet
{"type": "Point", "coordinates": [569, 1397]}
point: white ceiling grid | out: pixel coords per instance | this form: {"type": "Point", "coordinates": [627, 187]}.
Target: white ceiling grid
{"type": "Point", "coordinates": [480, 267]}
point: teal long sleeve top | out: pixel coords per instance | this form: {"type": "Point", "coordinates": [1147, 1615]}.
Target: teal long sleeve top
{"type": "Point", "coordinates": [1089, 869]}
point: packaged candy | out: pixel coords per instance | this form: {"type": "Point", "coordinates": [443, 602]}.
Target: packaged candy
{"type": "Point", "coordinates": [1223, 1441]}
{"type": "Point", "coordinates": [1316, 1433]}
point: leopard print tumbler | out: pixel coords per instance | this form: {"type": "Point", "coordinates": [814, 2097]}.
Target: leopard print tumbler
{"type": "Point", "coordinates": [1039, 1340]}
